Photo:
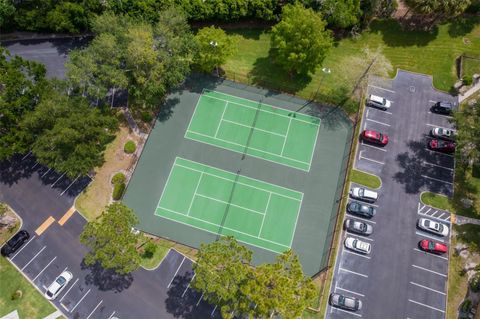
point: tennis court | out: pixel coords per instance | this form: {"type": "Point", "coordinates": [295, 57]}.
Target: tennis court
{"type": "Point", "coordinates": [220, 202]}
{"type": "Point", "coordinates": [254, 128]}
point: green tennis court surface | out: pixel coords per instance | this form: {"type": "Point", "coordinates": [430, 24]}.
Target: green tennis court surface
{"type": "Point", "coordinates": [255, 212]}
{"type": "Point", "coordinates": [257, 129]}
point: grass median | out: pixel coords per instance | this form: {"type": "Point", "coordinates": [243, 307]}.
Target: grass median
{"type": "Point", "coordinates": [365, 179]}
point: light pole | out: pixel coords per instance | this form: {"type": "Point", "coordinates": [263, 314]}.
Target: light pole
{"type": "Point", "coordinates": [325, 71]}
{"type": "Point", "coordinates": [214, 45]}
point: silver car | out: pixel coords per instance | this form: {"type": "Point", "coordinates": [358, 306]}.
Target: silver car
{"type": "Point", "coordinates": [358, 227]}
{"type": "Point", "coordinates": [58, 285]}
{"type": "Point", "coordinates": [443, 133]}
{"type": "Point", "coordinates": [357, 245]}
{"type": "Point", "coordinates": [432, 226]}
{"type": "Point", "coordinates": [345, 302]}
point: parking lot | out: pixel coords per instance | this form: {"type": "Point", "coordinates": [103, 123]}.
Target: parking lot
{"type": "Point", "coordinates": [398, 279]}
{"type": "Point", "coordinates": [44, 200]}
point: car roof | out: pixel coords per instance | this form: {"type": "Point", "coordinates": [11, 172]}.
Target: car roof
{"type": "Point", "coordinates": [446, 104]}
{"type": "Point", "coordinates": [376, 98]}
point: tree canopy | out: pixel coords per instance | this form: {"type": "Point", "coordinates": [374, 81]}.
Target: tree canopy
{"type": "Point", "coordinates": [111, 241]}
{"type": "Point", "coordinates": [21, 86]}
{"type": "Point", "coordinates": [467, 123]}
{"type": "Point", "coordinates": [341, 13]}
{"type": "Point", "coordinates": [225, 277]}
{"type": "Point", "coordinates": [144, 59]}
{"type": "Point", "coordinates": [300, 40]}
{"type": "Point", "coordinates": [439, 8]}
{"type": "Point", "coordinates": [214, 47]}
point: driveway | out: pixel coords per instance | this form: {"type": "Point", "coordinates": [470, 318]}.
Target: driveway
{"type": "Point", "coordinates": [397, 279]}
{"type": "Point", "coordinates": [43, 199]}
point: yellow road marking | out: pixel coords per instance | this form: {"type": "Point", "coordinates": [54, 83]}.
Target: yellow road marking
{"type": "Point", "coordinates": [45, 225]}
{"type": "Point", "coordinates": [67, 215]}
{"type": "Point", "coordinates": [453, 218]}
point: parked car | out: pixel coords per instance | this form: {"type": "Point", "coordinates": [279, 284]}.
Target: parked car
{"type": "Point", "coordinates": [374, 137]}
{"type": "Point", "coordinates": [15, 243]}
{"type": "Point", "coordinates": [58, 285]}
{"type": "Point", "coordinates": [363, 194]}
{"type": "Point", "coordinates": [361, 209]}
{"type": "Point", "coordinates": [358, 227]}
{"type": "Point", "coordinates": [443, 133]}
{"type": "Point", "coordinates": [432, 226]}
{"type": "Point", "coordinates": [378, 102]}
{"type": "Point", "coordinates": [441, 146]}
{"type": "Point", "coordinates": [357, 245]}
{"type": "Point", "coordinates": [442, 107]}
{"type": "Point", "coordinates": [345, 302]}
{"type": "Point", "coordinates": [433, 246]}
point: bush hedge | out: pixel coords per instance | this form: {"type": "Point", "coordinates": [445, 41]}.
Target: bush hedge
{"type": "Point", "coordinates": [118, 178]}
{"type": "Point", "coordinates": [118, 190]}
{"type": "Point", "coordinates": [130, 147]}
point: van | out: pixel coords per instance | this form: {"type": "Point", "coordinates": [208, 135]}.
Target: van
{"type": "Point", "coordinates": [378, 102]}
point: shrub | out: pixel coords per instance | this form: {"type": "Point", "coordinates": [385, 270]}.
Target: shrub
{"type": "Point", "coordinates": [466, 305]}
{"type": "Point", "coordinates": [149, 249]}
{"type": "Point", "coordinates": [146, 116]}
{"type": "Point", "coordinates": [475, 282]}
{"type": "Point", "coordinates": [467, 80]}
{"type": "Point", "coordinates": [130, 147]}
{"type": "Point", "coordinates": [118, 178]}
{"type": "Point", "coordinates": [118, 190]}
{"type": "Point", "coordinates": [17, 295]}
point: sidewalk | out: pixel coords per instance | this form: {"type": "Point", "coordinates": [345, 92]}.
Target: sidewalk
{"type": "Point", "coordinates": [462, 220]}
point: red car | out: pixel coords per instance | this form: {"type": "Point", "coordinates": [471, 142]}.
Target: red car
{"type": "Point", "coordinates": [374, 137]}
{"type": "Point", "coordinates": [442, 146]}
{"type": "Point", "coordinates": [433, 246]}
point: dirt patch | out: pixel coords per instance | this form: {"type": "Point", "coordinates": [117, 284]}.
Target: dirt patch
{"type": "Point", "coordinates": [98, 194]}
{"type": "Point", "coordinates": [14, 223]}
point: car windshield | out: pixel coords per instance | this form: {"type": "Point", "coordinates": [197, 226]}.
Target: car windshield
{"type": "Point", "coordinates": [360, 226]}
{"type": "Point", "coordinates": [360, 192]}
{"type": "Point", "coordinates": [365, 209]}
{"type": "Point", "coordinates": [384, 101]}
{"type": "Point", "coordinates": [60, 280]}
{"type": "Point", "coordinates": [431, 245]}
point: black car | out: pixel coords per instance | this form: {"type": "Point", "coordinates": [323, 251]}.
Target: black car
{"type": "Point", "coordinates": [15, 243]}
{"type": "Point", "coordinates": [442, 108]}
{"type": "Point", "coordinates": [360, 209]}
{"type": "Point", "coordinates": [358, 227]}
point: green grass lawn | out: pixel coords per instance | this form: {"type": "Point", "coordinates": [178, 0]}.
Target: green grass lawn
{"type": "Point", "coordinates": [152, 261]}
{"type": "Point", "coordinates": [365, 179]}
{"type": "Point", "coordinates": [437, 201]}
{"type": "Point", "coordinates": [471, 66]}
{"type": "Point", "coordinates": [31, 305]}
{"type": "Point", "coordinates": [425, 52]}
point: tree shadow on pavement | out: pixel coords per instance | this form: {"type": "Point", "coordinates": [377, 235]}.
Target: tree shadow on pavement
{"type": "Point", "coordinates": [106, 279]}
{"type": "Point", "coordinates": [183, 301]}
{"type": "Point", "coordinates": [413, 163]}
{"type": "Point", "coordinates": [15, 169]}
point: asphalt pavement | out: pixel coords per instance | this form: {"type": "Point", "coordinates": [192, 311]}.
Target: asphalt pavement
{"type": "Point", "coordinates": [43, 199]}
{"type": "Point", "coordinates": [397, 280]}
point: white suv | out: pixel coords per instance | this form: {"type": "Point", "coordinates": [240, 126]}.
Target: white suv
{"type": "Point", "coordinates": [378, 102]}
{"type": "Point", "coordinates": [364, 194]}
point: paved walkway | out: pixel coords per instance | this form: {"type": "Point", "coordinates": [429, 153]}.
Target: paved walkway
{"type": "Point", "coordinates": [54, 315]}
{"type": "Point", "coordinates": [461, 220]}
{"type": "Point", "coordinates": [11, 315]}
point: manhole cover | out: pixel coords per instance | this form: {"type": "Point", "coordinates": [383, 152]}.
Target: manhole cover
{"type": "Point", "coordinates": [411, 89]}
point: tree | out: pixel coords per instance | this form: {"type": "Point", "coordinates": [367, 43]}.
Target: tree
{"type": "Point", "coordinates": [7, 10]}
{"type": "Point", "coordinates": [300, 40]}
{"type": "Point", "coordinates": [66, 134]}
{"type": "Point", "coordinates": [445, 8]}
{"type": "Point", "coordinates": [111, 241]}
{"type": "Point", "coordinates": [341, 13]}
{"type": "Point", "coordinates": [467, 123]}
{"type": "Point", "coordinates": [221, 270]}
{"type": "Point", "coordinates": [280, 289]}
{"type": "Point", "coordinates": [214, 47]}
{"type": "Point", "coordinates": [21, 86]}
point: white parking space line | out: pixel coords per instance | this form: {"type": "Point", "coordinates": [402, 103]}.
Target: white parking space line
{"type": "Point", "coordinates": [188, 286]}
{"type": "Point", "coordinates": [436, 152]}
{"type": "Point", "coordinates": [354, 253]}
{"type": "Point", "coordinates": [33, 258]}
{"type": "Point", "coordinates": [176, 272]}
{"type": "Point", "coordinates": [199, 299]}
{"type": "Point", "coordinates": [428, 236]}
{"type": "Point", "coordinates": [111, 315]}
{"type": "Point", "coordinates": [429, 209]}
{"type": "Point", "coordinates": [419, 210]}
{"type": "Point", "coordinates": [440, 216]}
{"type": "Point", "coordinates": [380, 88]}
{"type": "Point", "coordinates": [369, 159]}
{"type": "Point", "coordinates": [345, 311]}
{"type": "Point", "coordinates": [433, 125]}
{"type": "Point", "coordinates": [430, 254]}
{"type": "Point", "coordinates": [352, 292]}
{"type": "Point", "coordinates": [28, 154]}
{"type": "Point", "coordinates": [213, 311]}
{"type": "Point", "coordinates": [91, 313]}
{"type": "Point", "coordinates": [70, 185]}
{"type": "Point", "coordinates": [36, 163]}
{"type": "Point", "coordinates": [378, 122]}
{"type": "Point", "coordinates": [431, 271]}
{"type": "Point", "coordinates": [432, 101]}
{"type": "Point", "coordinates": [51, 261]}
{"type": "Point", "coordinates": [374, 147]}
{"type": "Point", "coordinates": [46, 172]}
{"type": "Point", "coordinates": [434, 213]}
{"type": "Point", "coordinates": [424, 305]}
{"type": "Point", "coordinates": [81, 299]}
{"type": "Point", "coordinates": [18, 252]}
{"type": "Point", "coordinates": [364, 219]}
{"type": "Point", "coordinates": [352, 272]}
{"type": "Point", "coordinates": [436, 179]}
{"type": "Point", "coordinates": [358, 236]}
{"type": "Point", "coordinates": [69, 290]}
{"type": "Point", "coordinates": [57, 180]}
{"type": "Point", "coordinates": [440, 166]}
{"type": "Point", "coordinates": [428, 288]}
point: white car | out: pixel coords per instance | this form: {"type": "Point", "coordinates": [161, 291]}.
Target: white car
{"type": "Point", "coordinates": [58, 285]}
{"type": "Point", "coordinates": [443, 133]}
{"type": "Point", "coordinates": [363, 194]}
{"type": "Point", "coordinates": [358, 245]}
{"type": "Point", "coordinates": [379, 102]}
{"type": "Point", "coordinates": [432, 226]}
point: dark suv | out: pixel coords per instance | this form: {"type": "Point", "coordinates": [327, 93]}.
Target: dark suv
{"type": "Point", "coordinates": [443, 107]}
{"type": "Point", "coordinates": [15, 243]}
